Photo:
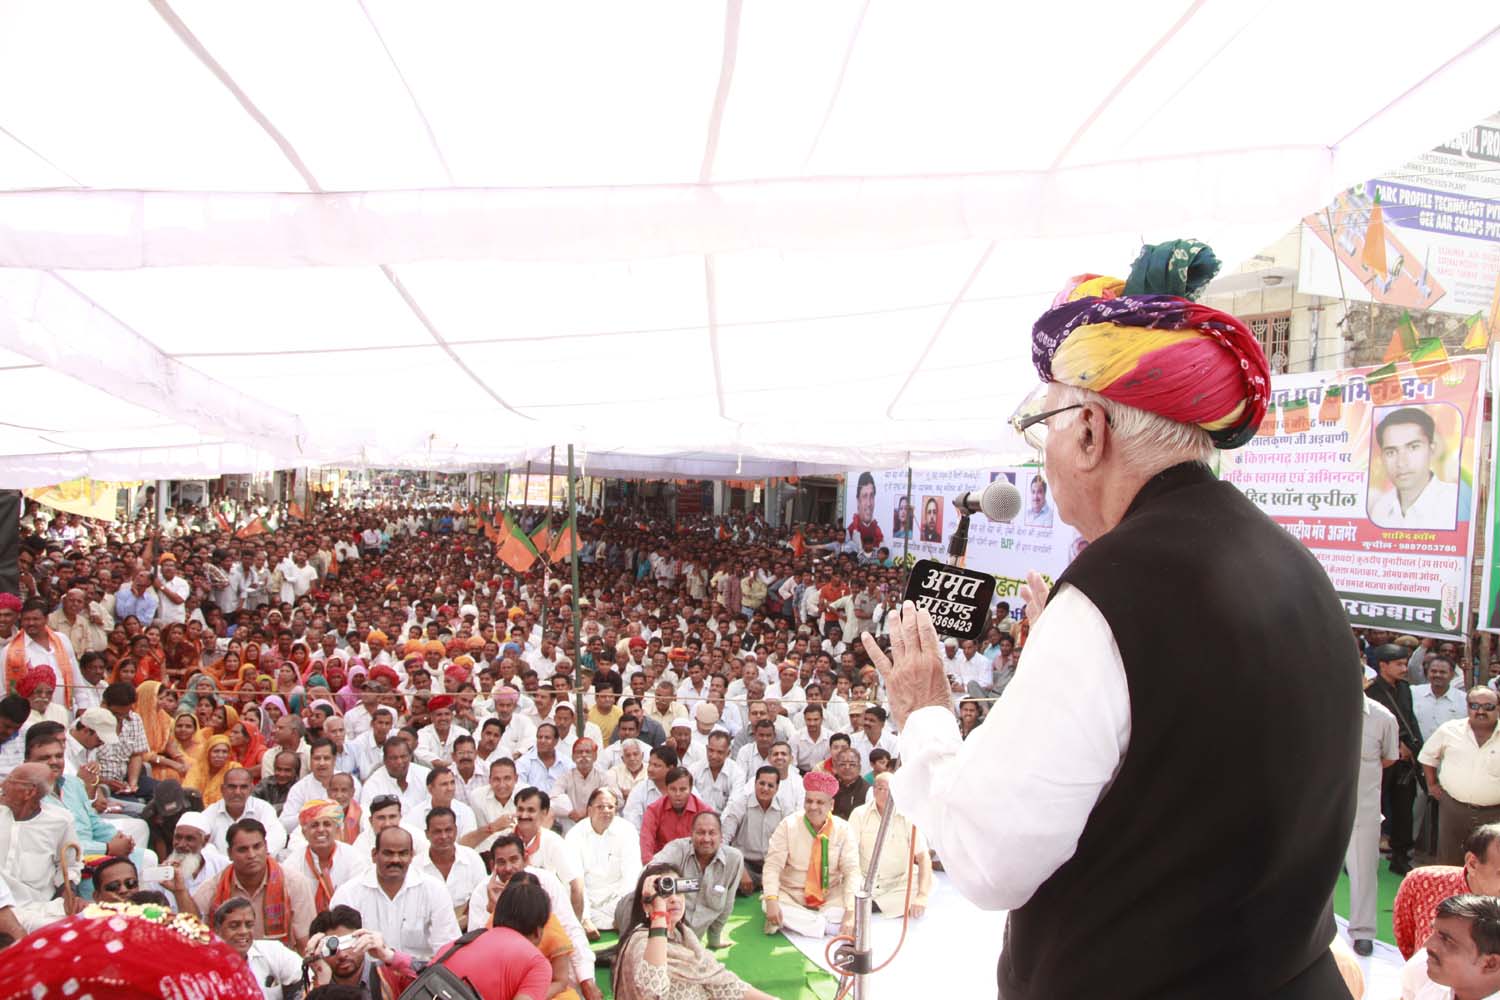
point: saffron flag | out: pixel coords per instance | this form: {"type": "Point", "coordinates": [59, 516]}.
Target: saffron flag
{"type": "Point", "coordinates": [562, 547]}
{"type": "Point", "coordinates": [1478, 336]}
{"type": "Point", "coordinates": [295, 510]}
{"type": "Point", "coordinates": [223, 521]}
{"type": "Point", "coordinates": [515, 549]}
{"type": "Point", "coordinates": [1332, 408]}
{"type": "Point", "coordinates": [1430, 359]}
{"type": "Point", "coordinates": [1373, 255]}
{"type": "Point", "coordinates": [255, 527]}
{"type": "Point", "coordinates": [1297, 419]}
{"type": "Point", "coordinates": [799, 545]}
{"type": "Point", "coordinates": [541, 538]}
{"type": "Point", "coordinates": [1403, 341]}
{"type": "Point", "coordinates": [1268, 422]}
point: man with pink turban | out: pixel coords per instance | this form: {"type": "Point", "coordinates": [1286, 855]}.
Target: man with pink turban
{"type": "Point", "coordinates": [811, 867]}
{"type": "Point", "coordinates": [1176, 757]}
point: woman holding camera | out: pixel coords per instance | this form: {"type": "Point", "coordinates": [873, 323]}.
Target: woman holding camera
{"type": "Point", "coordinates": [660, 958]}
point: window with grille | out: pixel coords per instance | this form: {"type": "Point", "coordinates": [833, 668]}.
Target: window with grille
{"type": "Point", "coordinates": [1274, 331]}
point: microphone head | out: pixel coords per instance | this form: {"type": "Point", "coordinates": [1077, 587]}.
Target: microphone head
{"type": "Point", "coordinates": [1001, 501]}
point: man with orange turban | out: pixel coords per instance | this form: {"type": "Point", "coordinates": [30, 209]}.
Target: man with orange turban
{"type": "Point", "coordinates": [1191, 623]}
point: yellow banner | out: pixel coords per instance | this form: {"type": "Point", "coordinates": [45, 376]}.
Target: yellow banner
{"type": "Point", "coordinates": [88, 497]}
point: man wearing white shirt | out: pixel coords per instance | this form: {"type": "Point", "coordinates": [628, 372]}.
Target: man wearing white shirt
{"type": "Point", "coordinates": [757, 754]}
{"type": "Point", "coordinates": [1438, 701]}
{"type": "Point", "coordinates": [321, 857]}
{"type": "Point", "coordinates": [313, 785]}
{"type": "Point", "coordinates": [970, 667]}
{"type": "Point", "coordinates": [411, 911]}
{"type": "Point", "coordinates": [564, 718]}
{"type": "Point", "coordinates": [546, 849]}
{"type": "Point", "coordinates": [458, 869]}
{"type": "Point", "coordinates": [494, 807]}
{"type": "Point", "coordinates": [442, 793]}
{"type": "Point", "coordinates": [174, 591]}
{"type": "Point", "coordinates": [298, 576]}
{"type": "Point", "coordinates": [810, 747]}
{"type": "Point", "coordinates": [1461, 959]}
{"type": "Point", "coordinates": [1067, 774]}
{"type": "Point", "coordinates": [369, 747]}
{"type": "Point", "coordinates": [398, 777]}
{"type": "Point", "coordinates": [509, 859]}
{"type": "Point", "coordinates": [543, 661]}
{"type": "Point", "coordinates": [872, 734]}
{"type": "Point", "coordinates": [36, 645]}
{"type": "Point", "coordinates": [717, 777]}
{"type": "Point", "coordinates": [435, 741]}
{"type": "Point", "coordinates": [519, 733]}
{"type": "Point", "coordinates": [1418, 497]}
{"type": "Point", "coordinates": [238, 804]}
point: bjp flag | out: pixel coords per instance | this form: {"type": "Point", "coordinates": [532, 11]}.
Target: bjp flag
{"type": "Point", "coordinates": [255, 527]}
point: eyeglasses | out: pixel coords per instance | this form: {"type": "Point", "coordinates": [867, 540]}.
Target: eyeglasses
{"type": "Point", "coordinates": [1481, 706]}
{"type": "Point", "coordinates": [1033, 428]}
{"type": "Point", "coordinates": [127, 884]}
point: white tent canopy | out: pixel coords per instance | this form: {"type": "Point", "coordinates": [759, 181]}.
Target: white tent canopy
{"type": "Point", "coordinates": [696, 238]}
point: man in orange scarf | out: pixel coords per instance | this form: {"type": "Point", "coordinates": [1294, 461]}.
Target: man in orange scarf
{"type": "Point", "coordinates": [812, 864]}
{"type": "Point", "coordinates": [36, 645]}
{"type": "Point", "coordinates": [284, 901]}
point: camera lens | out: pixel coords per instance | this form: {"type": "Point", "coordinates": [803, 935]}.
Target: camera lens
{"type": "Point", "coordinates": [330, 945]}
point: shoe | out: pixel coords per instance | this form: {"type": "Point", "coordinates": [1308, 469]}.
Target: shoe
{"type": "Point", "coordinates": [1363, 947]}
{"type": "Point", "coordinates": [1400, 867]}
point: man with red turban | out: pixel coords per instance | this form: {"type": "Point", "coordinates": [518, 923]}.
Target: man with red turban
{"type": "Point", "coordinates": [811, 867]}
{"type": "Point", "coordinates": [1208, 711]}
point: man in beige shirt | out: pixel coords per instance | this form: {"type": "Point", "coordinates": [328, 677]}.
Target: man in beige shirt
{"type": "Point", "coordinates": [83, 627]}
{"type": "Point", "coordinates": [253, 874]}
{"type": "Point", "coordinates": [795, 896]}
{"type": "Point", "coordinates": [1462, 763]}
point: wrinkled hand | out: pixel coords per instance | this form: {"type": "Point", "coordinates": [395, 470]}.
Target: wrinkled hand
{"type": "Point", "coordinates": [913, 673]}
{"type": "Point", "coordinates": [119, 846]}
{"type": "Point", "coordinates": [916, 910]}
{"type": "Point", "coordinates": [1034, 592]}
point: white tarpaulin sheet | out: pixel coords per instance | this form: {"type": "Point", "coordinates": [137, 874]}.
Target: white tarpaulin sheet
{"type": "Point", "coordinates": [240, 236]}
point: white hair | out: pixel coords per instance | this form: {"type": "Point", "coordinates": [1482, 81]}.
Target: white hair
{"type": "Point", "coordinates": [1147, 441]}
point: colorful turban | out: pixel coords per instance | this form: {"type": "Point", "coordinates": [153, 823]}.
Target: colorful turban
{"type": "Point", "coordinates": [439, 701]}
{"type": "Point", "coordinates": [10, 602]}
{"type": "Point", "coordinates": [33, 678]}
{"type": "Point", "coordinates": [377, 636]}
{"type": "Point", "coordinates": [455, 646]}
{"type": "Point", "coordinates": [820, 781]}
{"type": "Point", "coordinates": [316, 681]}
{"type": "Point", "coordinates": [637, 643]}
{"type": "Point", "coordinates": [435, 646]}
{"type": "Point", "coordinates": [677, 654]}
{"type": "Point", "coordinates": [457, 673]}
{"type": "Point", "coordinates": [316, 809]}
{"type": "Point", "coordinates": [1145, 343]}
{"type": "Point", "coordinates": [477, 642]}
{"type": "Point", "coordinates": [511, 647]}
{"type": "Point", "coordinates": [126, 952]}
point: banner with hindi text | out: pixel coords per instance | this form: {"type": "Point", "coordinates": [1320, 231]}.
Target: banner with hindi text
{"type": "Point", "coordinates": [880, 514]}
{"type": "Point", "coordinates": [1378, 480]}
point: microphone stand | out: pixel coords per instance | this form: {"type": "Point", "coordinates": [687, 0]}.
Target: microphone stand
{"type": "Point", "coordinates": [958, 545]}
{"type": "Point", "coordinates": [855, 960]}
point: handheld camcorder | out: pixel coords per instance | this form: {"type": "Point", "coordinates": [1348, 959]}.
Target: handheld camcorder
{"type": "Point", "coordinates": [666, 885]}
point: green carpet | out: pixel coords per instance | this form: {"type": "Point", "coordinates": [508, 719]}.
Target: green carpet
{"type": "Point", "coordinates": [770, 964]}
{"type": "Point", "coordinates": [1389, 883]}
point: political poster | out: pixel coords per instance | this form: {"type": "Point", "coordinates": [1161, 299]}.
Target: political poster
{"type": "Point", "coordinates": [1377, 477]}
{"type": "Point", "coordinates": [920, 525]}
{"type": "Point", "coordinates": [1424, 236]}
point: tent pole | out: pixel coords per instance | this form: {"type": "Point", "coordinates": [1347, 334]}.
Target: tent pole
{"type": "Point", "coordinates": [580, 719]}
{"type": "Point", "coordinates": [906, 542]}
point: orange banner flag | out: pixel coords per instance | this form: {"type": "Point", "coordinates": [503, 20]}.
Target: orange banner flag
{"type": "Point", "coordinates": [1373, 255]}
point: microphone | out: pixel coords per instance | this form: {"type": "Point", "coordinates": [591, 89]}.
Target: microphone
{"type": "Point", "coordinates": [999, 502]}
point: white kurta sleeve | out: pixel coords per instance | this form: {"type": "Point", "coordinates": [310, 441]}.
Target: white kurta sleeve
{"type": "Point", "coordinates": [1005, 808]}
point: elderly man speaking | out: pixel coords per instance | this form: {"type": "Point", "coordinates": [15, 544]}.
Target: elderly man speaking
{"type": "Point", "coordinates": [1168, 783]}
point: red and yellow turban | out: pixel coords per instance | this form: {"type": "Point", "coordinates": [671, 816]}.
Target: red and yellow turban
{"type": "Point", "coordinates": [316, 809]}
{"type": "Point", "coordinates": [1145, 343]}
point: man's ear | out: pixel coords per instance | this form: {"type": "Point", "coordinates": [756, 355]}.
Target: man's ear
{"type": "Point", "coordinates": [1092, 430]}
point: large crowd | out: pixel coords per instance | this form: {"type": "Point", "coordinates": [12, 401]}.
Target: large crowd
{"type": "Point", "coordinates": [367, 725]}
{"type": "Point", "coordinates": [346, 743]}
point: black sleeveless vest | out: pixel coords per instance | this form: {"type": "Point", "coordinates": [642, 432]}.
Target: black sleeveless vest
{"type": "Point", "coordinates": [1208, 867]}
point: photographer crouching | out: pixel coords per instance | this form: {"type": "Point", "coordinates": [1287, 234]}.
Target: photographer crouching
{"type": "Point", "coordinates": [668, 959]}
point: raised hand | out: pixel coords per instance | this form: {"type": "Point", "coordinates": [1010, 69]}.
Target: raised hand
{"type": "Point", "coordinates": [913, 673]}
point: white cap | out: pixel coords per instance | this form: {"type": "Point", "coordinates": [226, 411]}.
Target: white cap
{"type": "Point", "coordinates": [196, 821]}
{"type": "Point", "coordinates": [102, 721]}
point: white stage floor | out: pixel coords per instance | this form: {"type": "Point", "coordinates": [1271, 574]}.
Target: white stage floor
{"type": "Point", "coordinates": [964, 942]}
